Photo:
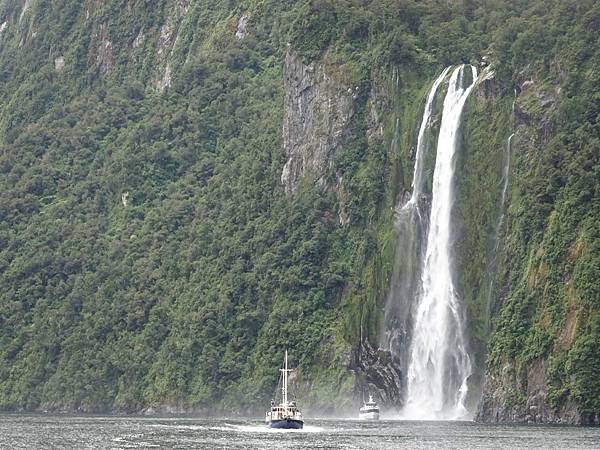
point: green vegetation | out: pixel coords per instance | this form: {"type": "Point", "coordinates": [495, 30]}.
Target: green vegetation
{"type": "Point", "coordinates": [550, 308]}
{"type": "Point", "coordinates": [148, 253]}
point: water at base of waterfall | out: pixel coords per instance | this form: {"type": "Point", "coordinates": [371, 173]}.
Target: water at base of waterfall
{"type": "Point", "coordinates": [21, 431]}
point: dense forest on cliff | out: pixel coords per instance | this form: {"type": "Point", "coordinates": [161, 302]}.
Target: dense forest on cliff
{"type": "Point", "coordinates": [150, 256]}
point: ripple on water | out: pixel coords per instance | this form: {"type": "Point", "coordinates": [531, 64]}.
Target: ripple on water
{"type": "Point", "coordinates": [20, 431]}
{"type": "Point", "coordinates": [133, 441]}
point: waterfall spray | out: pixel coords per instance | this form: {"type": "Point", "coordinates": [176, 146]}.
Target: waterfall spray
{"type": "Point", "coordinates": [439, 364]}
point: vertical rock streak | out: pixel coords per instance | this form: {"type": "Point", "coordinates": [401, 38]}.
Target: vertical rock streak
{"type": "Point", "coordinates": [505, 176]}
{"type": "Point", "coordinates": [439, 363]}
{"type": "Point", "coordinates": [409, 228]}
{"type": "Point", "coordinates": [492, 265]}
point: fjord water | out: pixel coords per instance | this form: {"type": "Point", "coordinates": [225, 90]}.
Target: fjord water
{"type": "Point", "coordinates": [69, 432]}
{"type": "Point", "coordinates": [439, 363]}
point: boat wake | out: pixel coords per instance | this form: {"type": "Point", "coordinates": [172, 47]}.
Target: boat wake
{"type": "Point", "coordinates": [133, 441]}
{"type": "Point", "coordinates": [265, 429]}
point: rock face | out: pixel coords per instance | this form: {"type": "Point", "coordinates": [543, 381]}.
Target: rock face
{"type": "Point", "coordinates": [523, 387]}
{"type": "Point", "coordinates": [503, 401]}
{"type": "Point", "coordinates": [59, 63]}
{"type": "Point", "coordinates": [105, 59]}
{"type": "Point", "coordinates": [242, 27]}
{"type": "Point", "coordinates": [510, 394]}
{"type": "Point", "coordinates": [378, 104]}
{"type": "Point", "coordinates": [167, 42]}
{"type": "Point", "coordinates": [381, 376]}
{"type": "Point", "coordinates": [317, 113]}
{"type": "Point", "coordinates": [26, 6]}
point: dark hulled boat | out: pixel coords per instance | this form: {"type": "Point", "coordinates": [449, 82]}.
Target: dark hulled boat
{"type": "Point", "coordinates": [286, 415]}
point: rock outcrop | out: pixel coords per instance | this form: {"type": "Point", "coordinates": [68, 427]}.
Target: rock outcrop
{"type": "Point", "coordinates": [105, 59]}
{"type": "Point", "coordinates": [523, 387]}
{"type": "Point", "coordinates": [317, 114]}
{"type": "Point", "coordinates": [242, 27]}
{"type": "Point", "coordinates": [378, 375]}
{"type": "Point", "coordinates": [167, 42]}
{"type": "Point", "coordinates": [508, 399]}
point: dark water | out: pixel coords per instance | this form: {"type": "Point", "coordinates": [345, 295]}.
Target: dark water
{"type": "Point", "coordinates": [69, 432]}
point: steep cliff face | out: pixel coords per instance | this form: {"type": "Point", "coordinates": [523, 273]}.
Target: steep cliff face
{"type": "Point", "coordinates": [481, 170]}
{"type": "Point", "coordinates": [184, 194]}
{"type": "Point", "coordinates": [146, 140]}
{"type": "Point", "coordinates": [538, 315]}
{"type": "Point", "coordinates": [525, 248]}
{"type": "Point", "coordinates": [317, 114]}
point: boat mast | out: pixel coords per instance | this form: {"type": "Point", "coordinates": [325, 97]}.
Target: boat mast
{"type": "Point", "coordinates": [285, 371]}
{"type": "Point", "coordinates": [285, 374]}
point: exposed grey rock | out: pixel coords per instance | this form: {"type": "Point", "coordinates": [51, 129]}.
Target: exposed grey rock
{"type": "Point", "coordinates": [503, 403]}
{"type": "Point", "coordinates": [26, 6]}
{"type": "Point", "coordinates": [343, 217]}
{"type": "Point", "coordinates": [167, 42]}
{"type": "Point", "coordinates": [526, 84]}
{"type": "Point", "coordinates": [545, 100]}
{"type": "Point", "coordinates": [164, 39]}
{"type": "Point", "coordinates": [105, 59]}
{"type": "Point", "coordinates": [317, 112]}
{"type": "Point", "coordinates": [139, 39]}
{"type": "Point", "coordinates": [379, 376]}
{"type": "Point", "coordinates": [165, 82]}
{"type": "Point", "coordinates": [242, 27]}
{"type": "Point", "coordinates": [59, 63]}
{"type": "Point", "coordinates": [377, 104]}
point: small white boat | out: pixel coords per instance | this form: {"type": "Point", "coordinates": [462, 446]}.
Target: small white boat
{"type": "Point", "coordinates": [369, 411]}
{"type": "Point", "coordinates": [286, 415]}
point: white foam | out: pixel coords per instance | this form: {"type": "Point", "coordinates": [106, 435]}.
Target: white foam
{"type": "Point", "coordinates": [266, 429]}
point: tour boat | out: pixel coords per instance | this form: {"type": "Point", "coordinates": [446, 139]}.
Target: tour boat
{"type": "Point", "coordinates": [286, 415]}
{"type": "Point", "coordinates": [369, 411]}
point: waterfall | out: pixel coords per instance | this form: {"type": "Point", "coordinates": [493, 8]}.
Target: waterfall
{"type": "Point", "coordinates": [417, 181]}
{"type": "Point", "coordinates": [438, 363]}
{"type": "Point", "coordinates": [409, 228]}
{"type": "Point", "coordinates": [505, 174]}
{"type": "Point", "coordinates": [492, 265]}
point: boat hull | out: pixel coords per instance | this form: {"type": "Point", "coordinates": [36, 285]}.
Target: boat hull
{"type": "Point", "coordinates": [287, 424]}
{"type": "Point", "coordinates": [372, 415]}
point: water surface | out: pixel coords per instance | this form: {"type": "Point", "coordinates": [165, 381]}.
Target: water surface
{"type": "Point", "coordinates": [93, 432]}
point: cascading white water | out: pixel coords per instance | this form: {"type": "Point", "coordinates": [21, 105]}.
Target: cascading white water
{"type": "Point", "coordinates": [439, 363]}
{"type": "Point", "coordinates": [417, 181]}
{"type": "Point", "coordinates": [409, 229]}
